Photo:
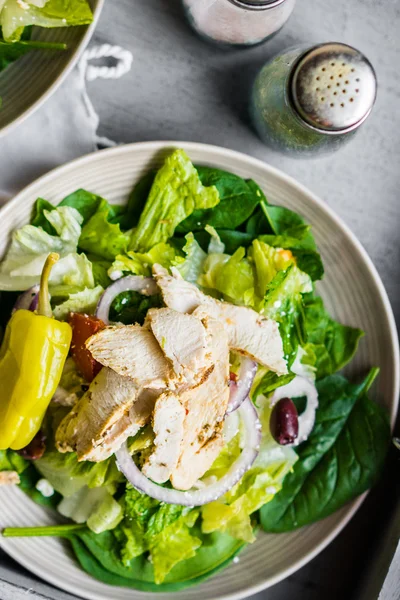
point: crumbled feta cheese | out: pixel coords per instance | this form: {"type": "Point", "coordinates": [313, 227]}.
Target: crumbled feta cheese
{"type": "Point", "coordinates": [45, 488]}
{"type": "Point", "coordinates": [9, 478]}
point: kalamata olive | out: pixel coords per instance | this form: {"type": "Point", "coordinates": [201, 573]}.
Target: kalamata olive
{"type": "Point", "coordinates": [284, 422]}
{"type": "Point", "coordinates": [35, 449]}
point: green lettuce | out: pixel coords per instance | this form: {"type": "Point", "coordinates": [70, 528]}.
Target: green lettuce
{"type": "Point", "coordinates": [176, 192]}
{"type": "Point", "coordinates": [231, 276]}
{"type": "Point", "coordinates": [192, 266]}
{"type": "Point", "coordinates": [84, 302]}
{"type": "Point", "coordinates": [67, 475]}
{"type": "Point", "coordinates": [232, 513]}
{"type": "Point", "coordinates": [101, 237]}
{"type": "Point", "coordinates": [94, 506]}
{"type": "Point", "coordinates": [162, 529]}
{"type": "Point", "coordinates": [53, 13]}
{"type": "Point", "coordinates": [30, 246]}
{"type": "Point", "coordinates": [332, 343]}
{"type": "Point", "coordinates": [140, 263]}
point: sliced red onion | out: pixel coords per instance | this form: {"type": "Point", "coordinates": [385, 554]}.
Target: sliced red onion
{"type": "Point", "coordinates": [28, 300]}
{"type": "Point", "coordinates": [240, 389]}
{"type": "Point", "coordinates": [211, 492]}
{"type": "Point", "coordinates": [300, 386]}
{"type": "Point", "coordinates": [144, 285]}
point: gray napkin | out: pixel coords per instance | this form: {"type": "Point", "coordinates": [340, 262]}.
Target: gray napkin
{"type": "Point", "coordinates": [62, 129]}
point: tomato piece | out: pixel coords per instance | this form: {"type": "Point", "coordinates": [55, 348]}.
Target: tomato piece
{"type": "Point", "coordinates": [83, 326]}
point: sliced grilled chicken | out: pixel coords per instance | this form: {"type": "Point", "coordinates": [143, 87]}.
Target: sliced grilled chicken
{"type": "Point", "coordinates": [205, 406]}
{"type": "Point", "coordinates": [177, 293]}
{"type": "Point", "coordinates": [132, 351]}
{"type": "Point", "coordinates": [138, 416]}
{"type": "Point", "coordinates": [168, 419]}
{"type": "Point", "coordinates": [182, 338]}
{"type": "Point", "coordinates": [249, 332]}
{"type": "Point", "coordinates": [87, 425]}
{"type": "Point", "coordinates": [192, 467]}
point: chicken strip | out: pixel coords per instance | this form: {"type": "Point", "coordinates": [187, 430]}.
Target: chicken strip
{"type": "Point", "coordinates": [132, 351]}
{"type": "Point", "coordinates": [249, 332]}
{"type": "Point", "coordinates": [182, 338]}
{"type": "Point", "coordinates": [92, 428]}
{"type": "Point", "coordinates": [193, 466]}
{"type": "Point", "coordinates": [168, 419]}
{"type": "Point", "coordinates": [205, 406]}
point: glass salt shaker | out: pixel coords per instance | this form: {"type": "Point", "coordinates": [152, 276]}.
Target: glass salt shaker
{"type": "Point", "coordinates": [313, 100]}
{"type": "Point", "coordinates": [238, 22]}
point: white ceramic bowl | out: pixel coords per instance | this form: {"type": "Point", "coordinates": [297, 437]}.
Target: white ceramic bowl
{"type": "Point", "coordinates": [353, 292]}
{"type": "Point", "coordinates": [29, 81]}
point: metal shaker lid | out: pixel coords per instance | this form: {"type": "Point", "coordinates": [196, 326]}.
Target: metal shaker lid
{"type": "Point", "coordinates": [333, 88]}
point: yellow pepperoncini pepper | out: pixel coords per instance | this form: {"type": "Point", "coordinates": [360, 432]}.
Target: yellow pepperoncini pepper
{"type": "Point", "coordinates": [32, 358]}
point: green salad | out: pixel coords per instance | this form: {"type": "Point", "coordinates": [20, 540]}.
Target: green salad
{"type": "Point", "coordinates": [171, 378]}
{"type": "Point", "coordinates": [18, 16]}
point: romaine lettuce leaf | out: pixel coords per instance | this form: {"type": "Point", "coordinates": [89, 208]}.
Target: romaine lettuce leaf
{"type": "Point", "coordinates": [84, 302]}
{"type": "Point", "coordinates": [232, 513]}
{"type": "Point", "coordinates": [238, 199]}
{"type": "Point", "coordinates": [140, 263]}
{"type": "Point", "coordinates": [30, 247]}
{"type": "Point", "coordinates": [176, 192]}
{"type": "Point", "coordinates": [15, 16]}
{"type": "Point", "coordinates": [173, 544]}
{"type": "Point", "coordinates": [192, 266]}
{"type": "Point", "coordinates": [94, 506]}
{"type": "Point", "coordinates": [67, 475]}
{"type": "Point", "coordinates": [102, 238]}
{"type": "Point", "coordinates": [231, 276]}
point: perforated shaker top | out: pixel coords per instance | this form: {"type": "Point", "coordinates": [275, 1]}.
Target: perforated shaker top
{"type": "Point", "coordinates": [333, 87]}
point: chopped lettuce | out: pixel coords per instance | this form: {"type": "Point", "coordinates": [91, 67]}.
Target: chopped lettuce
{"type": "Point", "coordinates": [94, 506]}
{"type": "Point", "coordinates": [84, 302]}
{"type": "Point", "coordinates": [192, 266]}
{"type": "Point", "coordinates": [232, 513]}
{"type": "Point", "coordinates": [176, 192]}
{"type": "Point", "coordinates": [231, 276]}
{"type": "Point", "coordinates": [161, 529]}
{"type": "Point", "coordinates": [173, 544]}
{"type": "Point", "coordinates": [140, 263]}
{"type": "Point", "coordinates": [102, 238]}
{"type": "Point", "coordinates": [15, 15]}
{"type": "Point", "coordinates": [30, 247]}
{"type": "Point", "coordinates": [67, 475]}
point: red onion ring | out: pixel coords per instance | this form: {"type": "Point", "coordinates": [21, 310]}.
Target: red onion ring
{"type": "Point", "coordinates": [28, 300]}
{"type": "Point", "coordinates": [300, 386]}
{"type": "Point", "coordinates": [207, 494]}
{"type": "Point", "coordinates": [144, 285]}
{"type": "Point", "coordinates": [240, 389]}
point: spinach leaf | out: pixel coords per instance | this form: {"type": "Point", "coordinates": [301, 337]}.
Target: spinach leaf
{"type": "Point", "coordinates": [238, 199]}
{"type": "Point", "coordinates": [341, 459]}
{"type": "Point", "coordinates": [233, 240]}
{"type": "Point", "coordinates": [283, 228]}
{"type": "Point", "coordinates": [131, 307]}
{"type": "Point", "coordinates": [98, 556]}
{"type": "Point", "coordinates": [333, 344]}
{"type": "Point", "coordinates": [38, 218]}
{"type": "Point", "coordinates": [137, 199]}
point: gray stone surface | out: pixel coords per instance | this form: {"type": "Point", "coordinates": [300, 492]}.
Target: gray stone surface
{"type": "Point", "coordinates": [180, 88]}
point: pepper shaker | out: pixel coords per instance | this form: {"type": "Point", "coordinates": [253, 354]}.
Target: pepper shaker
{"type": "Point", "coordinates": [237, 22]}
{"type": "Point", "coordinates": [308, 101]}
